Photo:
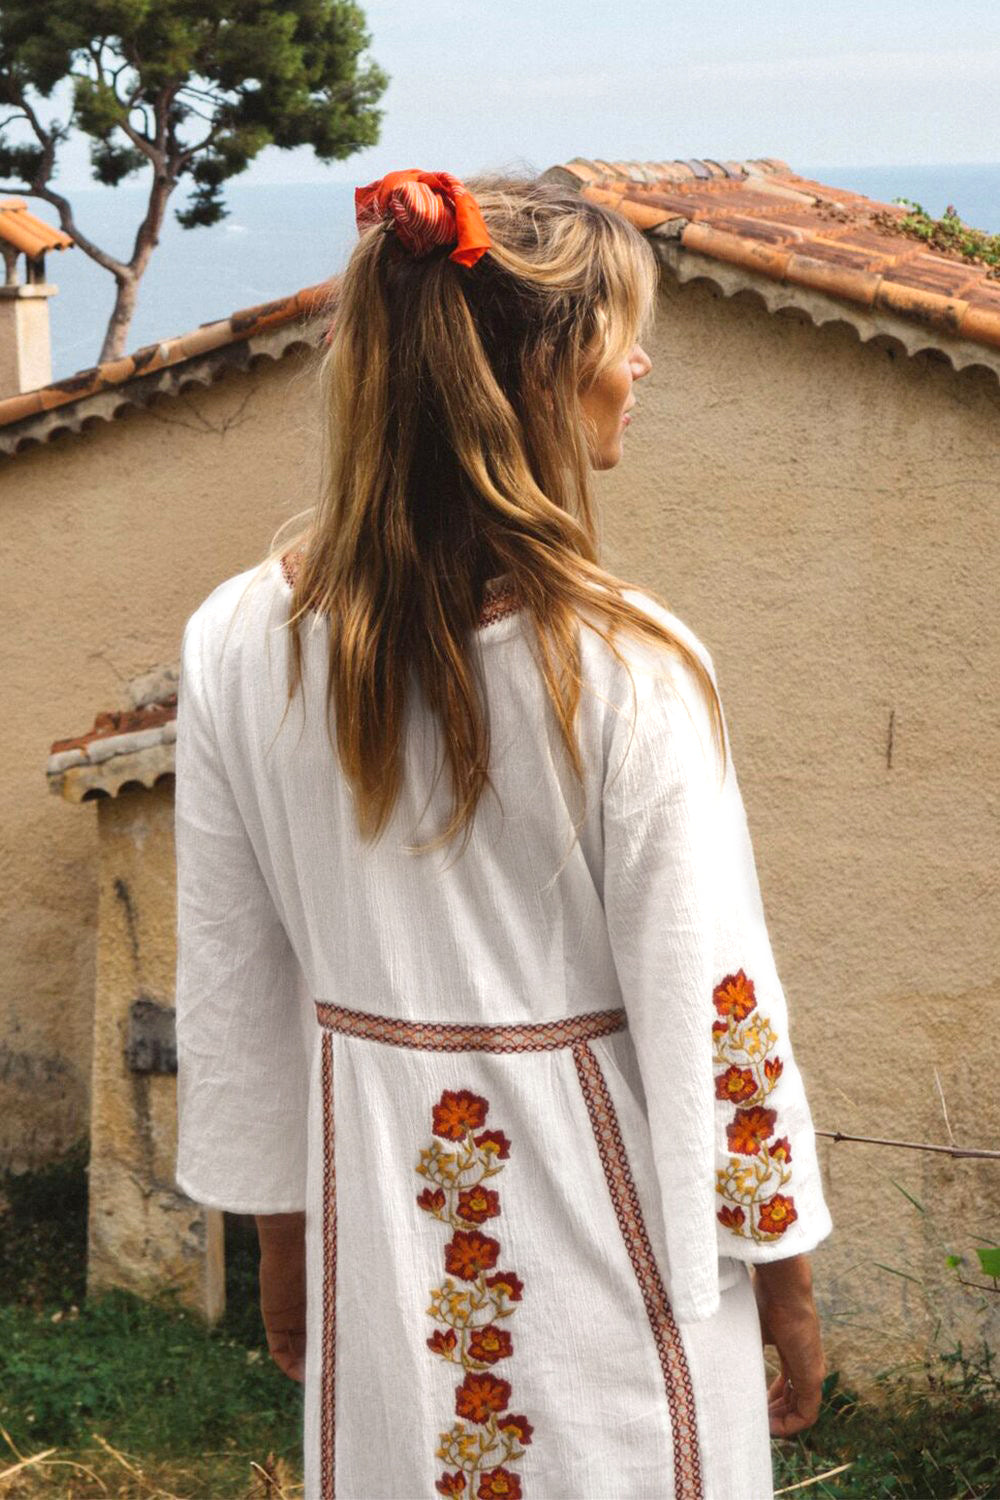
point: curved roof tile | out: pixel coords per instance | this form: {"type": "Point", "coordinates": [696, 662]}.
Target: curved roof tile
{"type": "Point", "coordinates": [27, 233]}
{"type": "Point", "coordinates": [755, 215]}
{"type": "Point", "coordinates": [766, 218]}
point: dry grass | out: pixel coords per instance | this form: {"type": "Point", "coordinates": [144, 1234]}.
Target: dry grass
{"type": "Point", "coordinates": [104, 1473]}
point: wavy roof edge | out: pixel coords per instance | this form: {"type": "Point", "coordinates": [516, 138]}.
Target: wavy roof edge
{"type": "Point", "coordinates": [835, 254]}
{"type": "Point", "coordinates": [752, 225]}
{"type": "Point", "coordinates": [102, 392]}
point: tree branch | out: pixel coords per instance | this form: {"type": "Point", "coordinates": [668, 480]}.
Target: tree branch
{"type": "Point", "coordinates": [190, 151]}
{"type": "Point", "coordinates": [46, 139]}
{"type": "Point", "coordinates": [140, 141]}
{"type": "Point", "coordinates": [117, 268]}
{"type": "Point", "coordinates": [870, 1140]}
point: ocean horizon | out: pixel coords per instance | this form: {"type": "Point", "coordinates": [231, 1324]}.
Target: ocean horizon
{"type": "Point", "coordinates": [278, 238]}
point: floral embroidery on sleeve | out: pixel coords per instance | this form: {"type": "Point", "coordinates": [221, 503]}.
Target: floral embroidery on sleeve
{"type": "Point", "coordinates": [469, 1309]}
{"type": "Point", "coordinates": [751, 1186]}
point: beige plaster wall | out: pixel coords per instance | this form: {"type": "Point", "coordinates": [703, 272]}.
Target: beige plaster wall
{"type": "Point", "coordinates": [823, 514]}
{"type": "Point", "coordinates": [110, 540]}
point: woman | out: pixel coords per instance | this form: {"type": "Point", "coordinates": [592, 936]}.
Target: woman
{"type": "Point", "coordinates": [476, 1006]}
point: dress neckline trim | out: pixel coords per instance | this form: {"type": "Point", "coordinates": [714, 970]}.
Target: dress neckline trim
{"type": "Point", "coordinates": [500, 596]}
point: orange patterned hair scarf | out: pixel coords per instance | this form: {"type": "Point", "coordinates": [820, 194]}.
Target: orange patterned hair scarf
{"type": "Point", "coordinates": [426, 209]}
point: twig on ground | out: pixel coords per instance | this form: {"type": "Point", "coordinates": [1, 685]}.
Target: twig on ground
{"type": "Point", "coordinates": [805, 1484]}
{"type": "Point", "coordinates": [10, 1443]}
{"type": "Point", "coordinates": [137, 1474]}
{"type": "Point", "coordinates": [272, 1473]}
{"type": "Point", "coordinates": [25, 1463]}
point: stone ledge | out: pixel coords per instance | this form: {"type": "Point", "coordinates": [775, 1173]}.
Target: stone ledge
{"type": "Point", "coordinates": [85, 780]}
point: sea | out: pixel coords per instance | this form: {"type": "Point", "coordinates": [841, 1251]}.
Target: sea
{"type": "Point", "coordinates": [276, 239]}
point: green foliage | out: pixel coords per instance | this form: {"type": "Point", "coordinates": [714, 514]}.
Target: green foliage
{"type": "Point", "coordinates": [989, 1261]}
{"type": "Point", "coordinates": [20, 161]}
{"type": "Point", "coordinates": [948, 233]}
{"type": "Point", "coordinates": [193, 87]}
{"type": "Point", "coordinates": [952, 1259]}
{"type": "Point", "coordinates": [938, 1442]}
{"type": "Point", "coordinates": [149, 1376]}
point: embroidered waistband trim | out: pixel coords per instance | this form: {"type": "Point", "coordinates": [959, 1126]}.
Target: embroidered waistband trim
{"type": "Point", "coordinates": [453, 1036]}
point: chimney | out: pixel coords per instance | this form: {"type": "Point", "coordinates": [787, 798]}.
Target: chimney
{"type": "Point", "coordinates": [25, 346]}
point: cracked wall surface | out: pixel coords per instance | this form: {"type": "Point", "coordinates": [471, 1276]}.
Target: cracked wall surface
{"type": "Point", "coordinates": [144, 1234]}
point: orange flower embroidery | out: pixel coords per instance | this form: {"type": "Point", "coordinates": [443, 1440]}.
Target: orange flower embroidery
{"type": "Point", "coordinates": [489, 1343]}
{"type": "Point", "coordinates": [469, 1310]}
{"type": "Point", "coordinates": [494, 1141]}
{"type": "Point", "coordinates": [480, 1395]}
{"type": "Point", "coordinates": [457, 1113]}
{"type": "Point", "coordinates": [505, 1281]}
{"type": "Point", "coordinates": [735, 997]}
{"type": "Point", "coordinates": [736, 1084]}
{"type": "Point", "coordinates": [743, 1041]}
{"type": "Point", "coordinates": [477, 1204]}
{"type": "Point", "coordinates": [467, 1253]}
{"type": "Point", "coordinates": [750, 1130]}
{"type": "Point", "coordinates": [776, 1214]}
{"type": "Point", "coordinates": [519, 1426]}
{"type": "Point", "coordinates": [450, 1484]}
{"type": "Point", "coordinates": [499, 1483]}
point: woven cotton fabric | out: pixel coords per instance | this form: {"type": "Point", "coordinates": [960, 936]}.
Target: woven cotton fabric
{"type": "Point", "coordinates": [539, 1102]}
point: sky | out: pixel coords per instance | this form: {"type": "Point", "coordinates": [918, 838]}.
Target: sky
{"type": "Point", "coordinates": [523, 84]}
{"type": "Point", "coordinates": [837, 90]}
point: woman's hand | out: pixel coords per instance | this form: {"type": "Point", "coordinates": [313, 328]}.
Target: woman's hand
{"type": "Point", "coordinates": [283, 1289]}
{"type": "Point", "coordinates": [789, 1321]}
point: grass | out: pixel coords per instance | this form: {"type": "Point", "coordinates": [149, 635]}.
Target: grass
{"type": "Point", "coordinates": [135, 1397]}
{"type": "Point", "coordinates": [932, 1438]}
{"type": "Point", "coordinates": [117, 1397]}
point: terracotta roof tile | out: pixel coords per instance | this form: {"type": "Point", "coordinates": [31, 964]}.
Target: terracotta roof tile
{"type": "Point", "coordinates": [309, 303]}
{"type": "Point", "coordinates": [756, 214]}
{"type": "Point", "coordinates": [27, 233]}
{"type": "Point", "coordinates": [764, 217]}
{"type": "Point", "coordinates": [114, 723]}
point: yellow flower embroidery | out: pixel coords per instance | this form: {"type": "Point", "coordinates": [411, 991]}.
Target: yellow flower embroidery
{"type": "Point", "coordinates": [754, 1207]}
{"type": "Point", "coordinates": [473, 1300]}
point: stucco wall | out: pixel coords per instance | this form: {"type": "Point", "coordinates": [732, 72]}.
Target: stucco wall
{"type": "Point", "coordinates": [823, 514]}
{"type": "Point", "coordinates": [110, 540]}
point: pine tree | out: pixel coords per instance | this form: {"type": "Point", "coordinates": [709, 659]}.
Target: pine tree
{"type": "Point", "coordinates": [186, 91]}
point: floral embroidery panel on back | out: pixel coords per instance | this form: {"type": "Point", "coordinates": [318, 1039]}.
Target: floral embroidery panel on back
{"type": "Point", "coordinates": [472, 1300]}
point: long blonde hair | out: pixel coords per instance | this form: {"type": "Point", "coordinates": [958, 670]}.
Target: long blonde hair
{"type": "Point", "coordinates": [457, 452]}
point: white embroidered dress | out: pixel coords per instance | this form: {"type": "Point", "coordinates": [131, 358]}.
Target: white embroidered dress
{"type": "Point", "coordinates": [538, 1102]}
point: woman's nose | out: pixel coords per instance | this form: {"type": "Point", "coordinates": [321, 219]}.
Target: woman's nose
{"type": "Point", "coordinates": [641, 363]}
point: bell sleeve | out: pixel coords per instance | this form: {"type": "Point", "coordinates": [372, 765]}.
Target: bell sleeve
{"type": "Point", "coordinates": [242, 1052]}
{"type": "Point", "coordinates": [732, 1135]}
